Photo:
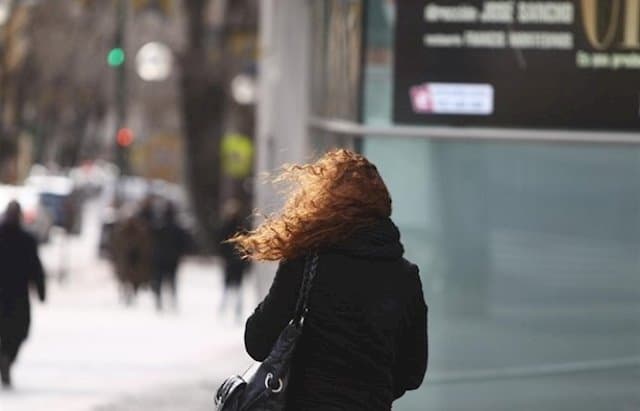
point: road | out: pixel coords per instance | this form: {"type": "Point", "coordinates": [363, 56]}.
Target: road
{"type": "Point", "coordinates": [87, 351]}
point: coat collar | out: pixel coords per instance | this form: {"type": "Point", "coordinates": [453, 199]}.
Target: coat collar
{"type": "Point", "coordinates": [380, 240]}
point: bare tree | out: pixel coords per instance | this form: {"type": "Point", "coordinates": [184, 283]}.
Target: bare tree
{"type": "Point", "coordinates": [14, 49]}
{"type": "Point", "coordinates": [207, 69]}
{"type": "Point", "coordinates": [67, 88]}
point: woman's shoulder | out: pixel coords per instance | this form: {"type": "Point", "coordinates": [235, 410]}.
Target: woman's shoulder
{"type": "Point", "coordinates": [400, 269]}
{"type": "Point", "coordinates": [414, 289]}
{"type": "Point", "coordinates": [410, 268]}
{"type": "Point", "coordinates": [292, 265]}
{"type": "Point", "coordinates": [290, 271]}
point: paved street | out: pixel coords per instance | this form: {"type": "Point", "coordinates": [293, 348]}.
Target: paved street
{"type": "Point", "coordinates": [88, 352]}
{"type": "Point", "coordinates": [196, 396]}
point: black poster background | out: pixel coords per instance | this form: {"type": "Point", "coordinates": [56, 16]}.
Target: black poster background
{"type": "Point", "coordinates": [533, 88]}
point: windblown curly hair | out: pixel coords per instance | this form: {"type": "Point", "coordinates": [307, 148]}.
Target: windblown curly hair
{"type": "Point", "coordinates": [326, 202]}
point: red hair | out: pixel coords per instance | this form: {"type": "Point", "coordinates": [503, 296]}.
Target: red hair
{"type": "Point", "coordinates": [326, 202]}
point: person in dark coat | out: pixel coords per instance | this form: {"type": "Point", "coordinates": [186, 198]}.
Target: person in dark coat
{"type": "Point", "coordinates": [132, 248]}
{"type": "Point", "coordinates": [364, 341]}
{"type": "Point", "coordinates": [169, 246]}
{"type": "Point", "coordinates": [234, 265]}
{"type": "Point", "coordinates": [21, 268]}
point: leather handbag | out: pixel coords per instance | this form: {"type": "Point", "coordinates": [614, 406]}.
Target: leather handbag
{"type": "Point", "coordinates": [263, 387]}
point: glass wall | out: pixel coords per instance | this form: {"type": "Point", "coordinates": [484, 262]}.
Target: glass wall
{"type": "Point", "coordinates": [529, 254]}
{"type": "Point", "coordinates": [530, 259]}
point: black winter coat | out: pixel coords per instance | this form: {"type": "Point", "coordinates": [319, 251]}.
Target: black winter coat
{"type": "Point", "coordinates": [19, 268]}
{"type": "Point", "coordinates": [365, 337]}
{"type": "Point", "coordinates": [169, 246]}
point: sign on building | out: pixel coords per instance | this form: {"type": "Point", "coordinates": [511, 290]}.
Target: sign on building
{"type": "Point", "coordinates": [236, 150]}
{"type": "Point", "coordinates": [562, 64]}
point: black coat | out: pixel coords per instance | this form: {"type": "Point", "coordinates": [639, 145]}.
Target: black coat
{"type": "Point", "coordinates": [365, 337]}
{"type": "Point", "coordinates": [169, 246]}
{"type": "Point", "coordinates": [20, 267]}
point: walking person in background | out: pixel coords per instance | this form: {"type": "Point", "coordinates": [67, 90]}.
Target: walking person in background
{"type": "Point", "coordinates": [169, 246]}
{"type": "Point", "coordinates": [21, 268]}
{"type": "Point", "coordinates": [132, 246]}
{"type": "Point", "coordinates": [364, 342]}
{"type": "Point", "coordinates": [234, 265]}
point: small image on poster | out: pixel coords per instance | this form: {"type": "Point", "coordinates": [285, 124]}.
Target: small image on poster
{"type": "Point", "coordinates": [544, 64]}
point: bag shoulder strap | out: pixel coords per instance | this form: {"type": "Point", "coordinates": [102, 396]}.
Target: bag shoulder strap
{"type": "Point", "coordinates": [309, 274]}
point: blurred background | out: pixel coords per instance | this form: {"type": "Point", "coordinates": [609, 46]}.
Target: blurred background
{"type": "Point", "coordinates": [507, 132]}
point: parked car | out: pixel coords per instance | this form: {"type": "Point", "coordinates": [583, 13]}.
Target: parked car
{"type": "Point", "coordinates": [37, 218]}
{"type": "Point", "coordinates": [59, 196]}
{"type": "Point", "coordinates": [92, 176]}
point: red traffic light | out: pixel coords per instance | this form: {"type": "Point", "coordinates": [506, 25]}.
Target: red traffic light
{"type": "Point", "coordinates": [124, 137]}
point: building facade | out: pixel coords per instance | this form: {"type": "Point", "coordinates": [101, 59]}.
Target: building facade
{"type": "Point", "coordinates": [528, 240]}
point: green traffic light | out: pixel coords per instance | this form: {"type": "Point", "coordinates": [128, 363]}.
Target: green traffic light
{"type": "Point", "coordinates": [115, 57]}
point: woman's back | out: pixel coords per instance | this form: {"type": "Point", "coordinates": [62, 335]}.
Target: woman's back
{"type": "Point", "coordinates": [364, 338]}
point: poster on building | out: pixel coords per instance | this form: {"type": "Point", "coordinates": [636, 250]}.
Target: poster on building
{"type": "Point", "coordinates": [543, 64]}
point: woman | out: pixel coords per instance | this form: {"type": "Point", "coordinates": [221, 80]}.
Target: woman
{"type": "Point", "coordinates": [21, 270]}
{"type": "Point", "coordinates": [364, 341]}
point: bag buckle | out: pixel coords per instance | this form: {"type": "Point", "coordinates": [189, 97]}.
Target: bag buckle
{"type": "Point", "coordinates": [267, 384]}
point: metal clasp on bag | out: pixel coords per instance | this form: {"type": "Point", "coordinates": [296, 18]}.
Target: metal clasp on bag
{"type": "Point", "coordinates": [267, 384]}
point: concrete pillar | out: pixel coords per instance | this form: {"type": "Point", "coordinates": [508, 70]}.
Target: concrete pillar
{"type": "Point", "coordinates": [282, 134]}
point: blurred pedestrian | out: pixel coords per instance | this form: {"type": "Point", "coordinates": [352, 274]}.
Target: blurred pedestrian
{"type": "Point", "coordinates": [234, 265]}
{"type": "Point", "coordinates": [132, 244]}
{"type": "Point", "coordinates": [364, 337]}
{"type": "Point", "coordinates": [21, 268]}
{"type": "Point", "coordinates": [169, 246]}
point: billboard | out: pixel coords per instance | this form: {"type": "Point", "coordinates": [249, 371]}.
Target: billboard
{"type": "Point", "coordinates": [543, 64]}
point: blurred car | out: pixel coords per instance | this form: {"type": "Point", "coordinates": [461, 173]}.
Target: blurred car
{"type": "Point", "coordinates": [91, 177]}
{"type": "Point", "coordinates": [59, 196]}
{"type": "Point", "coordinates": [36, 218]}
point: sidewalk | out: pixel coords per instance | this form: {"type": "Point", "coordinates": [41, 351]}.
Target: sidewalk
{"type": "Point", "coordinates": [193, 397]}
{"type": "Point", "coordinates": [87, 352]}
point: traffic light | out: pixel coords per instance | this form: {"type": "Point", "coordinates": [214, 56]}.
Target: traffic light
{"type": "Point", "coordinates": [124, 137]}
{"type": "Point", "coordinates": [116, 57]}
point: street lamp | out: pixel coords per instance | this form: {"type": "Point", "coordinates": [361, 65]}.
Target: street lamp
{"type": "Point", "coordinates": [243, 89]}
{"type": "Point", "coordinates": [154, 61]}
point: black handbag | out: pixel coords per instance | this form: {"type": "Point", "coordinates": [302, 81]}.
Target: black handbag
{"type": "Point", "coordinates": [263, 387]}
